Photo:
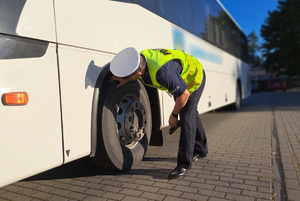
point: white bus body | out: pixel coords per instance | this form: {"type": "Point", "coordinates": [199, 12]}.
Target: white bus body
{"type": "Point", "coordinates": [56, 50]}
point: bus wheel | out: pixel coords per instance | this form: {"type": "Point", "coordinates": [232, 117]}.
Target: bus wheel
{"type": "Point", "coordinates": [124, 126]}
{"type": "Point", "coordinates": [238, 98]}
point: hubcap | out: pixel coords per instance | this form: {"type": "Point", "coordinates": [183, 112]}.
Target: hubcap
{"type": "Point", "coordinates": [131, 121]}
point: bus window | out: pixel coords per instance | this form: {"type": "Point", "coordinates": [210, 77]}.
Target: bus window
{"type": "Point", "coordinates": [169, 10]}
{"type": "Point", "coordinates": [203, 20]}
{"type": "Point", "coordinates": [200, 11]}
{"type": "Point", "coordinates": [244, 47]}
{"type": "Point", "coordinates": [148, 4]}
{"type": "Point", "coordinates": [219, 16]}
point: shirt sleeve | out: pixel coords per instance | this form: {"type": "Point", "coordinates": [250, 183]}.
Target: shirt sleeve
{"type": "Point", "coordinates": [169, 77]}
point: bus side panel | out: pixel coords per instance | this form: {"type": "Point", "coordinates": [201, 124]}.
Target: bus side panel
{"type": "Point", "coordinates": [222, 71]}
{"type": "Point", "coordinates": [110, 26]}
{"type": "Point", "coordinates": [37, 20]}
{"type": "Point", "coordinates": [28, 18]}
{"type": "Point", "coordinates": [30, 135]}
{"type": "Point", "coordinates": [79, 70]}
{"type": "Point", "coordinates": [88, 39]}
{"type": "Point", "coordinates": [245, 78]}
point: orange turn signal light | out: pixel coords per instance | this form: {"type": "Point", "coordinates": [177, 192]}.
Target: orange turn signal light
{"type": "Point", "coordinates": [16, 98]}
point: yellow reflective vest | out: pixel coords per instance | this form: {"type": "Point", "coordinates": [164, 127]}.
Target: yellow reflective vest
{"type": "Point", "coordinates": [192, 71]}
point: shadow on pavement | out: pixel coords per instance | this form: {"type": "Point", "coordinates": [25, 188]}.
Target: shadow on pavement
{"type": "Point", "coordinates": [85, 168]}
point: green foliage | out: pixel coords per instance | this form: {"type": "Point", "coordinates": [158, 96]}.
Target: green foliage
{"type": "Point", "coordinates": [254, 60]}
{"type": "Point", "coordinates": [281, 32]}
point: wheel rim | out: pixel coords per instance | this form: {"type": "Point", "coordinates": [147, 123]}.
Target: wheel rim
{"type": "Point", "coordinates": [131, 121]}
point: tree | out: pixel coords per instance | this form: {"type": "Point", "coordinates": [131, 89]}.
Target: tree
{"type": "Point", "coordinates": [254, 60]}
{"type": "Point", "coordinates": [281, 32]}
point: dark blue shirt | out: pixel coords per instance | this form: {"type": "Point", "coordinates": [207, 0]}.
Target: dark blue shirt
{"type": "Point", "coordinates": [169, 77]}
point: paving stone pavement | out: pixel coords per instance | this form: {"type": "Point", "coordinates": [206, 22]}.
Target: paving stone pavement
{"type": "Point", "coordinates": [253, 155]}
{"type": "Point", "coordinates": [287, 131]}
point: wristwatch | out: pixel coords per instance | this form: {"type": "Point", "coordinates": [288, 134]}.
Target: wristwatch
{"type": "Point", "coordinates": [174, 115]}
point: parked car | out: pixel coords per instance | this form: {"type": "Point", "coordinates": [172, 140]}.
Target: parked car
{"type": "Point", "coordinates": [276, 84]}
{"type": "Point", "coordinates": [254, 86]}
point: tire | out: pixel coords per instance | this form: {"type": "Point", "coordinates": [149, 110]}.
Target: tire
{"type": "Point", "coordinates": [238, 98]}
{"type": "Point", "coordinates": [124, 126]}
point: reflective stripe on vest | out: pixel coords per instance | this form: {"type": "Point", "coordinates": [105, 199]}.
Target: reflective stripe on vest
{"type": "Point", "coordinates": [192, 72]}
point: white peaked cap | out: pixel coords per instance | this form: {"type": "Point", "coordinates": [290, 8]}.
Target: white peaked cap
{"type": "Point", "coordinates": [125, 62]}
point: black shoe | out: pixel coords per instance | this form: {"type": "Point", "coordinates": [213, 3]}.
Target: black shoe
{"type": "Point", "coordinates": [196, 157]}
{"type": "Point", "coordinates": [178, 172]}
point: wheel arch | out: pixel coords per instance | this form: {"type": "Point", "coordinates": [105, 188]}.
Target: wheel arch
{"type": "Point", "coordinates": [156, 135]}
{"type": "Point", "coordinates": [101, 84]}
{"type": "Point", "coordinates": [239, 95]}
{"type": "Point", "coordinates": [239, 84]}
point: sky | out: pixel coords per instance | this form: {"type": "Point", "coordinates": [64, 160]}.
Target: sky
{"type": "Point", "coordinates": [250, 14]}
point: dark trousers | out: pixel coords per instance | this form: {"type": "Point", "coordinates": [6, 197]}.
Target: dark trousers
{"type": "Point", "coordinates": [192, 136]}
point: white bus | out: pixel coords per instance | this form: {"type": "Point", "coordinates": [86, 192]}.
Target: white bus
{"type": "Point", "coordinates": [56, 102]}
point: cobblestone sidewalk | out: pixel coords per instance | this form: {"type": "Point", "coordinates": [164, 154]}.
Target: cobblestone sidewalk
{"type": "Point", "coordinates": [287, 125]}
{"type": "Point", "coordinates": [253, 155]}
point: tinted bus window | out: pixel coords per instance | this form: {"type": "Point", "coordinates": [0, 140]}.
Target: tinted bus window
{"type": "Point", "coordinates": [148, 4]}
{"type": "Point", "coordinates": [205, 19]}
{"type": "Point", "coordinates": [244, 47]}
{"type": "Point", "coordinates": [178, 12]}
{"type": "Point", "coordinates": [202, 20]}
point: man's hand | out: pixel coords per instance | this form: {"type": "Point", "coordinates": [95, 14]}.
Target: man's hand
{"type": "Point", "coordinates": [121, 81]}
{"type": "Point", "coordinates": [172, 121]}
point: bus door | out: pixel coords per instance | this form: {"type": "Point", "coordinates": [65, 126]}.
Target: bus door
{"type": "Point", "coordinates": [30, 130]}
